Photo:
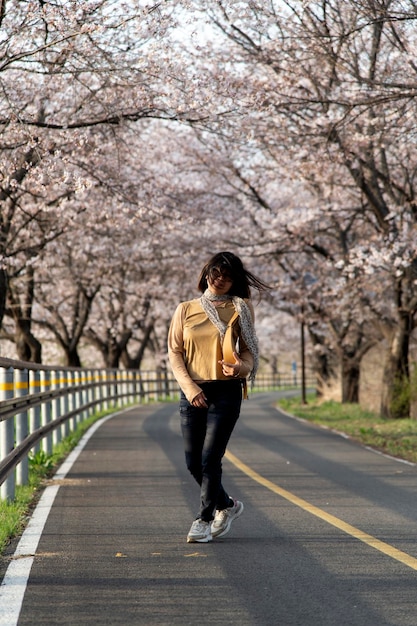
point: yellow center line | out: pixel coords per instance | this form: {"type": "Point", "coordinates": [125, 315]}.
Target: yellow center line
{"type": "Point", "coordinates": [383, 547]}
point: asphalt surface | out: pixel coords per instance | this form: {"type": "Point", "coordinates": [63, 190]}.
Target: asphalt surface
{"type": "Point", "coordinates": [113, 549]}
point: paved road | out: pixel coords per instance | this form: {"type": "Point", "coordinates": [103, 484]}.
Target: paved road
{"type": "Point", "coordinates": [328, 535]}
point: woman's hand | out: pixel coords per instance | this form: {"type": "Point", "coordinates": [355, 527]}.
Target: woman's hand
{"type": "Point", "coordinates": [232, 369]}
{"type": "Point", "coordinates": [200, 401]}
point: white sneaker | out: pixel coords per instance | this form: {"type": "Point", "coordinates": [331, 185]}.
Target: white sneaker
{"type": "Point", "coordinates": [199, 532]}
{"type": "Point", "coordinates": [220, 526]}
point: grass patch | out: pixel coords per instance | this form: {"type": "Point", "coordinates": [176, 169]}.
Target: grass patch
{"type": "Point", "coordinates": [15, 515]}
{"type": "Point", "coordinates": [397, 437]}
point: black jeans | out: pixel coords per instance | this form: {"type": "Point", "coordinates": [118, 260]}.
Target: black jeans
{"type": "Point", "coordinates": [206, 433]}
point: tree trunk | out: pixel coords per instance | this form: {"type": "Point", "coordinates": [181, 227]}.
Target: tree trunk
{"type": "Point", "coordinates": [113, 355]}
{"type": "Point", "coordinates": [135, 362]}
{"type": "Point", "coordinates": [72, 357]}
{"type": "Point", "coordinates": [350, 380]}
{"type": "Point", "coordinates": [110, 348]}
{"type": "Point", "coordinates": [323, 362]}
{"type": "Point", "coordinates": [27, 346]}
{"type": "Point", "coordinates": [69, 334]}
{"type": "Point", "coordinates": [395, 398]}
{"type": "Point", "coordinates": [20, 309]}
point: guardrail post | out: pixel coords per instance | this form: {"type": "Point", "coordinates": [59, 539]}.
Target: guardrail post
{"type": "Point", "coordinates": [63, 382]}
{"type": "Point", "coordinates": [104, 377]}
{"type": "Point", "coordinates": [22, 425]}
{"type": "Point", "coordinates": [77, 396]}
{"type": "Point", "coordinates": [132, 387]}
{"type": "Point", "coordinates": [136, 389]}
{"type": "Point", "coordinates": [56, 406]}
{"type": "Point", "coordinates": [75, 381]}
{"type": "Point", "coordinates": [140, 389]}
{"type": "Point", "coordinates": [90, 391]}
{"type": "Point", "coordinates": [101, 394]}
{"type": "Point", "coordinates": [89, 394]}
{"type": "Point", "coordinates": [106, 374]}
{"type": "Point", "coordinates": [145, 387]}
{"type": "Point", "coordinates": [154, 385]}
{"type": "Point", "coordinates": [126, 387]}
{"type": "Point", "coordinates": [165, 383]}
{"type": "Point", "coordinates": [70, 405]}
{"type": "Point", "coordinates": [119, 388]}
{"type": "Point", "coordinates": [98, 377]}
{"type": "Point", "coordinates": [7, 489]}
{"type": "Point", "coordinates": [93, 392]}
{"type": "Point", "coordinates": [123, 377]}
{"type": "Point", "coordinates": [157, 384]}
{"type": "Point", "coordinates": [114, 387]}
{"type": "Point", "coordinates": [35, 412]}
{"type": "Point", "coordinates": [82, 394]}
{"type": "Point", "coordinates": [46, 416]}
{"type": "Point", "coordinates": [129, 386]}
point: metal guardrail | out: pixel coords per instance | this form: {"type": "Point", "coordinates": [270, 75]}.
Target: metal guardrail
{"type": "Point", "coordinates": [278, 381]}
{"type": "Point", "coordinates": [41, 405]}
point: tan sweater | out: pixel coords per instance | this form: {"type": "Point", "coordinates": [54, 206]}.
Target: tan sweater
{"type": "Point", "coordinates": [194, 346]}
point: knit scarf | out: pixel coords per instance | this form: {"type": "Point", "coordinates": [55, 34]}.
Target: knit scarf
{"type": "Point", "coordinates": [245, 321]}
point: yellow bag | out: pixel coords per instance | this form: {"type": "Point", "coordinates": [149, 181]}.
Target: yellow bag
{"type": "Point", "coordinates": [229, 347]}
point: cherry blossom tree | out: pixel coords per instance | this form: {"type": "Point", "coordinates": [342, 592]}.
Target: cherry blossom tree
{"type": "Point", "coordinates": [328, 89]}
{"type": "Point", "coordinates": [138, 137]}
{"type": "Point", "coordinates": [73, 76]}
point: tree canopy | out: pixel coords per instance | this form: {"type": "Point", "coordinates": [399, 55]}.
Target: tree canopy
{"type": "Point", "coordinates": [137, 138]}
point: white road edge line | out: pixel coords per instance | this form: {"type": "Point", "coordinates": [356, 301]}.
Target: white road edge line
{"type": "Point", "coordinates": [13, 587]}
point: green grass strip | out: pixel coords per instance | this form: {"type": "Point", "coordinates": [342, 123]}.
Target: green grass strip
{"type": "Point", "coordinates": [397, 437]}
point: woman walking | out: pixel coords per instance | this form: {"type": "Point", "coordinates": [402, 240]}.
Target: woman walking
{"type": "Point", "coordinates": [213, 348]}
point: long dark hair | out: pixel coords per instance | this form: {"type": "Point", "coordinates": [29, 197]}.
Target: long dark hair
{"type": "Point", "coordinates": [230, 265]}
